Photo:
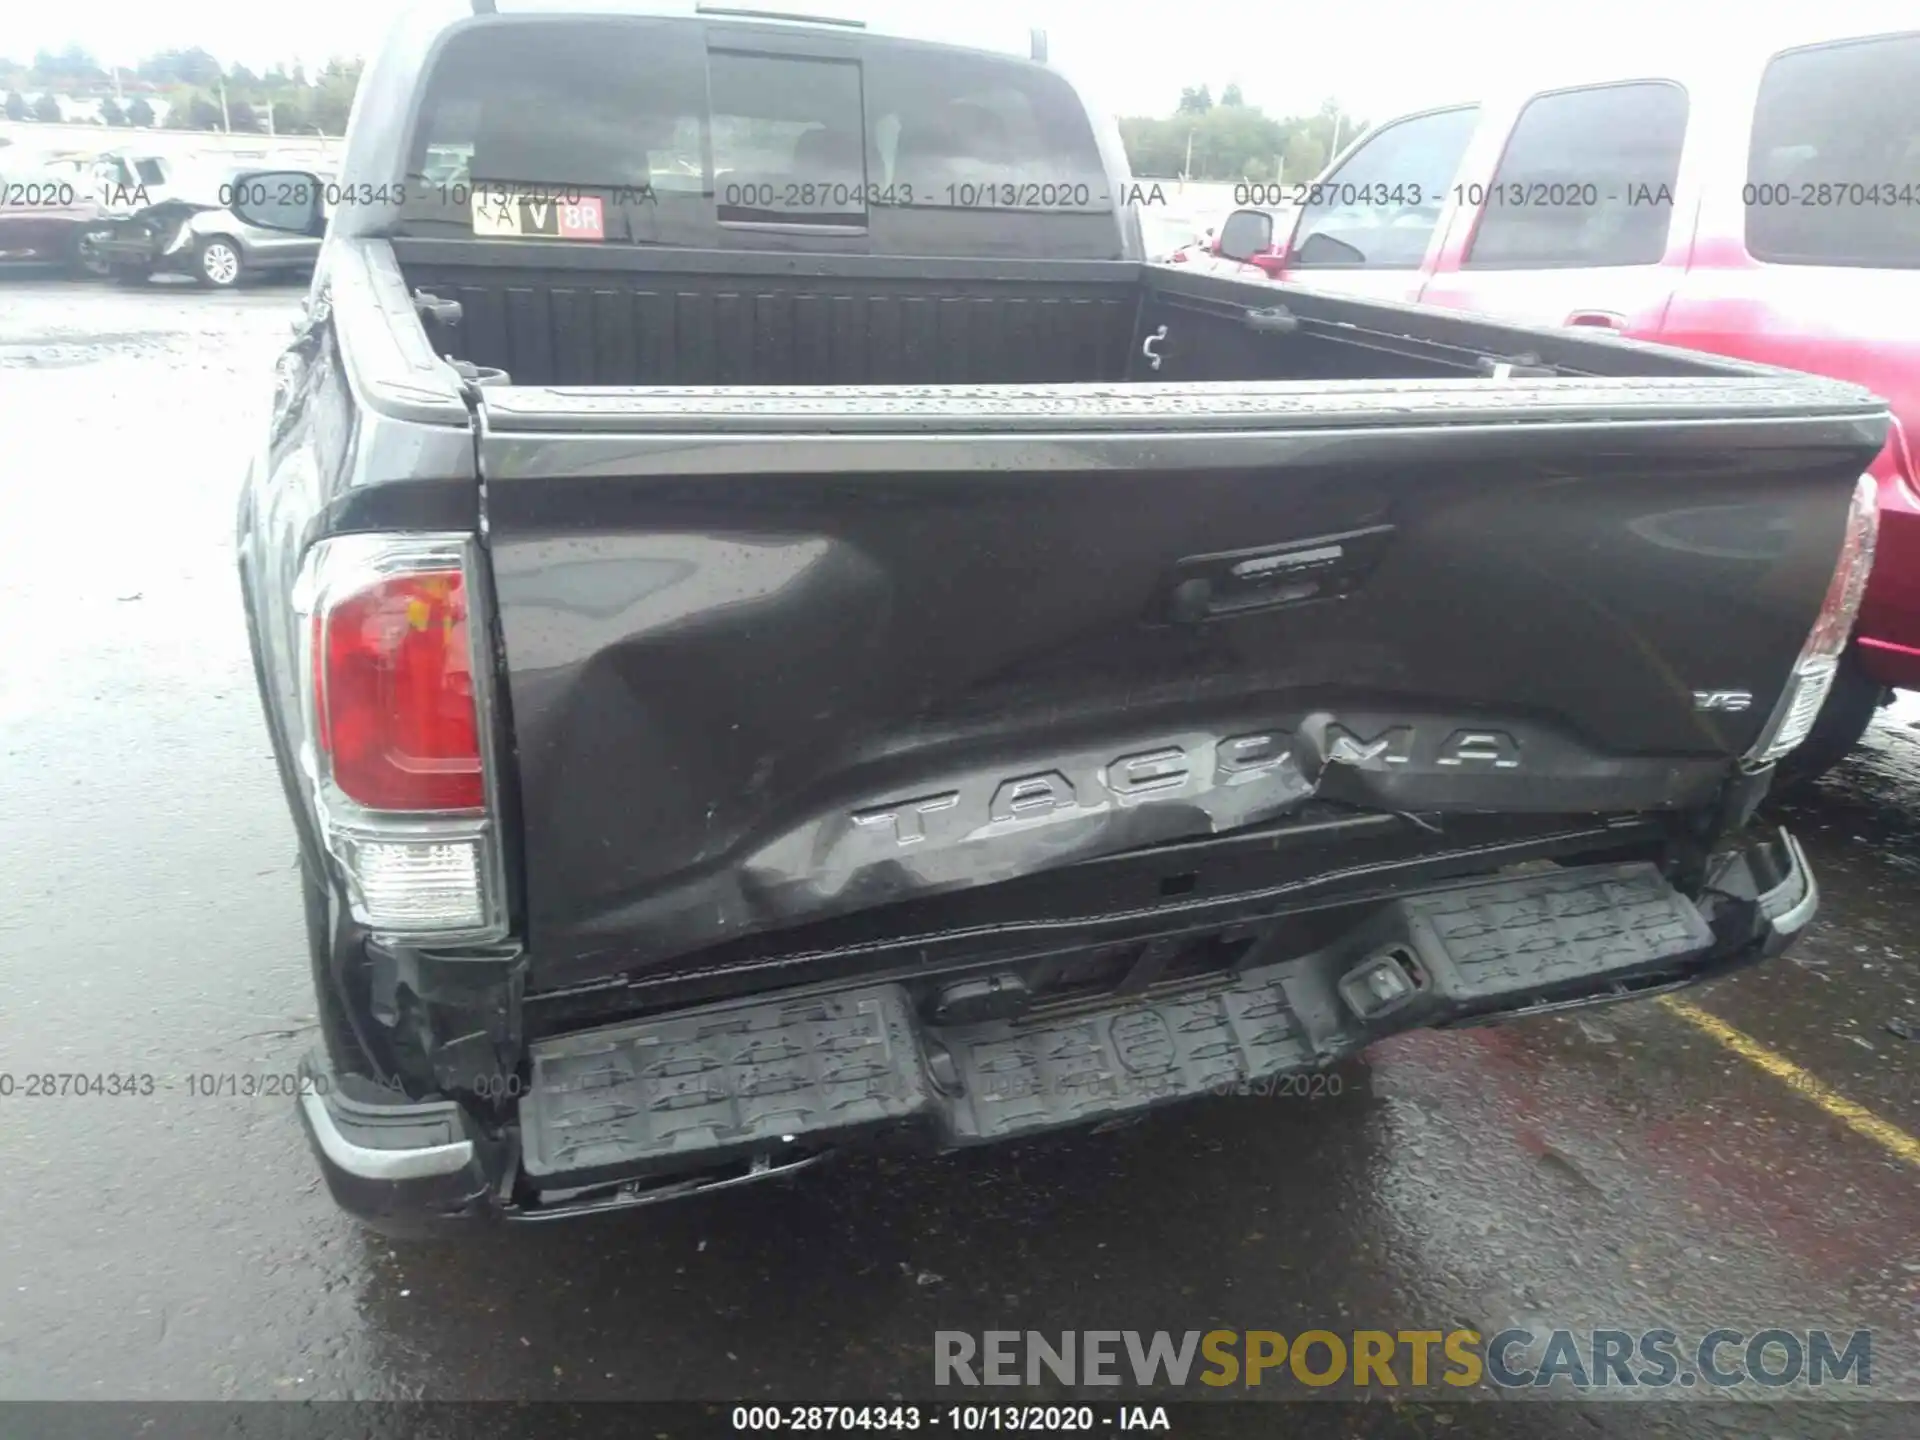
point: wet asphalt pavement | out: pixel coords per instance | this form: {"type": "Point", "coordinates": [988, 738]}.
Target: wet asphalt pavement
{"type": "Point", "coordinates": [1622, 1169]}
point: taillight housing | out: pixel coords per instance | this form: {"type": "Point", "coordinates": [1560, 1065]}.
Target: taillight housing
{"type": "Point", "coordinates": [398, 744]}
{"type": "Point", "coordinates": [1793, 718]}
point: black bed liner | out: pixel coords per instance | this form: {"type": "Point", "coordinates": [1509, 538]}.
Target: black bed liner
{"type": "Point", "coordinates": [566, 314]}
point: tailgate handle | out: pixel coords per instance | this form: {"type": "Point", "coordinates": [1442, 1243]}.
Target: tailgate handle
{"type": "Point", "coordinates": [1214, 587]}
{"type": "Point", "coordinates": [1598, 319]}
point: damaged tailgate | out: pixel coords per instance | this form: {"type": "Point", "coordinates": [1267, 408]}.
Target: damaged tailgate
{"type": "Point", "coordinates": [774, 656]}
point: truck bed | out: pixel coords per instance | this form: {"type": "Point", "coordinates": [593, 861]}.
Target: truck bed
{"type": "Point", "coordinates": [856, 612]}
{"type": "Point", "coordinates": [563, 314]}
{"type": "Point", "coordinates": [780, 633]}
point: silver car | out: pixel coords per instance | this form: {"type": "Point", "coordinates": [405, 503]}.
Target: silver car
{"type": "Point", "coordinates": [194, 231]}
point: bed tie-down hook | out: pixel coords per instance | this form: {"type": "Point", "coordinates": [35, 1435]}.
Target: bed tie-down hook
{"type": "Point", "coordinates": [1154, 357]}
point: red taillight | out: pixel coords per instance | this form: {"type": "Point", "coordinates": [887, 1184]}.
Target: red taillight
{"type": "Point", "coordinates": [393, 677]}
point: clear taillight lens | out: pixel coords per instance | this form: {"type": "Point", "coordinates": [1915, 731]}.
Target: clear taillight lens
{"type": "Point", "coordinates": [1813, 673]}
{"type": "Point", "coordinates": [396, 749]}
{"type": "Point", "coordinates": [424, 885]}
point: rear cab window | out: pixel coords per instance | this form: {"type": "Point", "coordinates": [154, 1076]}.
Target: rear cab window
{"type": "Point", "coordinates": [1833, 169]}
{"type": "Point", "coordinates": [1379, 209]}
{"type": "Point", "coordinates": [719, 135]}
{"type": "Point", "coordinates": [787, 139]}
{"type": "Point", "coordinates": [1586, 179]}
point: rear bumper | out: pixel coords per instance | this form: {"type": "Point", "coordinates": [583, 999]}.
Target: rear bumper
{"type": "Point", "coordinates": [725, 1094]}
{"type": "Point", "coordinates": [403, 1167]}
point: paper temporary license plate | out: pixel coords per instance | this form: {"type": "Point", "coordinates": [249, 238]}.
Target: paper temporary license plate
{"type": "Point", "coordinates": [549, 214]}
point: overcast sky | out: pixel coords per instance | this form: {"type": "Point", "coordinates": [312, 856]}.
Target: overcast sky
{"type": "Point", "coordinates": [1379, 58]}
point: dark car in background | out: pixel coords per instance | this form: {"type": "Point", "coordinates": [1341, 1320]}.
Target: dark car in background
{"type": "Point", "coordinates": [51, 213]}
{"type": "Point", "coordinates": [194, 231]}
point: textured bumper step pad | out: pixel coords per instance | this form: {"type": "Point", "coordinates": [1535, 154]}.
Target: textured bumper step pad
{"type": "Point", "coordinates": [1540, 931]}
{"type": "Point", "coordinates": [716, 1080]}
{"type": "Point", "coordinates": [1021, 1076]}
{"type": "Point", "coordinates": [746, 1078]}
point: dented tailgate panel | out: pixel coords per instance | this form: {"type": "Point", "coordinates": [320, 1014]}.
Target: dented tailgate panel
{"type": "Point", "coordinates": [757, 682]}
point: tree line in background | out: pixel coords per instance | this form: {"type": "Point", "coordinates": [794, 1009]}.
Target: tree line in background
{"type": "Point", "coordinates": [1201, 140]}
{"type": "Point", "coordinates": [1232, 140]}
{"type": "Point", "coordinates": [184, 89]}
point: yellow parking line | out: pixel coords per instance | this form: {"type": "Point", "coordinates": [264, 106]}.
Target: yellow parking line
{"type": "Point", "coordinates": [1855, 1117]}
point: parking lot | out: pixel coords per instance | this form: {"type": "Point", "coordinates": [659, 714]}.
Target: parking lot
{"type": "Point", "coordinates": [1743, 1159]}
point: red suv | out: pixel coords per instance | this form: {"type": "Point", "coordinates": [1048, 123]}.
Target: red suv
{"type": "Point", "coordinates": [1763, 203]}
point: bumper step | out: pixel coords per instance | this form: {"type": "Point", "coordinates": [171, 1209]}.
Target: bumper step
{"type": "Point", "coordinates": [710, 1083]}
{"type": "Point", "coordinates": [713, 1085]}
{"type": "Point", "coordinates": [1491, 940]}
{"type": "Point", "coordinates": [1020, 1076]}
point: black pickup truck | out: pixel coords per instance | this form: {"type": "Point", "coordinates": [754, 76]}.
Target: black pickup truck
{"type": "Point", "coordinates": [782, 633]}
